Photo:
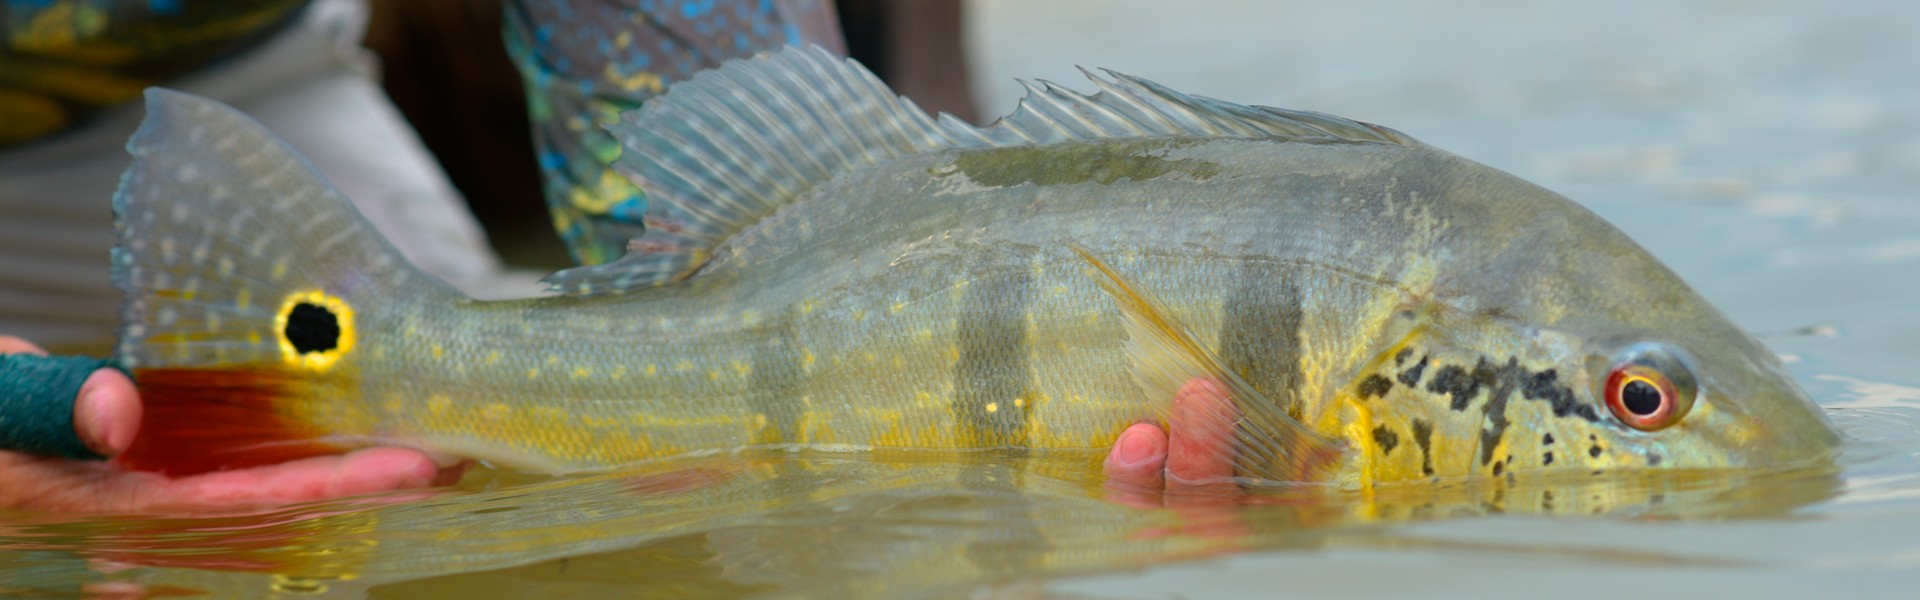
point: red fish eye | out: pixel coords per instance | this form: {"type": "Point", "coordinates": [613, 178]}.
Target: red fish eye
{"type": "Point", "coordinates": [1642, 397]}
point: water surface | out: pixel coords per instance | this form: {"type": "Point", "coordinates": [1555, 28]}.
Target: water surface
{"type": "Point", "coordinates": [1767, 151]}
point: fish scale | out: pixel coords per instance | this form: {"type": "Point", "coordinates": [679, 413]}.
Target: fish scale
{"type": "Point", "coordinates": [1381, 311]}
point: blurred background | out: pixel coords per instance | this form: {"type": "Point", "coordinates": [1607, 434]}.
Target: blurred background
{"type": "Point", "coordinates": [446, 68]}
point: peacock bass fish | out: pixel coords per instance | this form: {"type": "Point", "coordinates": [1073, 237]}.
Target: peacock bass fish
{"type": "Point", "coordinates": [827, 267]}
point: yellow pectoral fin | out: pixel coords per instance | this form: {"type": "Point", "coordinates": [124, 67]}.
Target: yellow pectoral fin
{"type": "Point", "coordinates": [1265, 442]}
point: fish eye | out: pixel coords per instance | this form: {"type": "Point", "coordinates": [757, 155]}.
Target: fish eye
{"type": "Point", "coordinates": [1649, 388]}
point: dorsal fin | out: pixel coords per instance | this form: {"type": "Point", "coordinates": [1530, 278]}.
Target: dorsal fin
{"type": "Point", "coordinates": [725, 149]}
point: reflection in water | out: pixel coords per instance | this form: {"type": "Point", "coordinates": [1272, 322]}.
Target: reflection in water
{"type": "Point", "coordinates": [858, 525]}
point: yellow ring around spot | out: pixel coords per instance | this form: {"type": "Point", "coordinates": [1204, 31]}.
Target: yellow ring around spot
{"type": "Point", "coordinates": [315, 361]}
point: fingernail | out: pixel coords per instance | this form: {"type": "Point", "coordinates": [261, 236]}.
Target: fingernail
{"type": "Point", "coordinates": [1133, 448]}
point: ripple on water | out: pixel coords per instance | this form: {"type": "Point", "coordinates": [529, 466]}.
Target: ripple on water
{"type": "Point", "coordinates": [1880, 456]}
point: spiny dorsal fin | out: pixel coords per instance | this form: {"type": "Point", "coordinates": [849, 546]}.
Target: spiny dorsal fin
{"type": "Point", "coordinates": [724, 150]}
{"type": "Point", "coordinates": [1266, 443]}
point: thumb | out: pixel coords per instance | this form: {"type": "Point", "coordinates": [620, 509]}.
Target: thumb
{"type": "Point", "coordinates": [107, 413]}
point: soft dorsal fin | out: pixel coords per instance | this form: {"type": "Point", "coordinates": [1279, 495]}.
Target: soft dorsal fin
{"type": "Point", "coordinates": [725, 149]}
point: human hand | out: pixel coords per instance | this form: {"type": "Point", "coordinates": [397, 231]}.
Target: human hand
{"type": "Point", "coordinates": [1191, 463]}
{"type": "Point", "coordinates": [107, 415]}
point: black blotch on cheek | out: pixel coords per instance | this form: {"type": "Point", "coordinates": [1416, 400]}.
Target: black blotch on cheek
{"type": "Point", "coordinates": [1654, 459]}
{"type": "Point", "coordinates": [312, 328]}
{"type": "Point", "coordinates": [1375, 386]}
{"type": "Point", "coordinates": [1386, 438]}
{"type": "Point", "coordinates": [1545, 385]}
{"type": "Point", "coordinates": [1455, 382]}
{"type": "Point", "coordinates": [1546, 440]}
{"type": "Point", "coordinates": [1547, 459]}
{"type": "Point", "coordinates": [1412, 375]}
{"type": "Point", "coordinates": [1423, 436]}
{"type": "Point", "coordinates": [1594, 451]}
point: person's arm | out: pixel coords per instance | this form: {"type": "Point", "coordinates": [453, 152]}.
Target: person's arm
{"type": "Point", "coordinates": [106, 416]}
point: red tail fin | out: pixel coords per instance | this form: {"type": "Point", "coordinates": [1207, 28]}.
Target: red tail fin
{"type": "Point", "coordinates": [214, 419]}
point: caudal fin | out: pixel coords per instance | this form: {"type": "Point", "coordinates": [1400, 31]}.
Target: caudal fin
{"type": "Point", "coordinates": [249, 281]}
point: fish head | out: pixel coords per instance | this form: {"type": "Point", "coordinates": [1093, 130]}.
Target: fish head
{"type": "Point", "coordinates": [1488, 393]}
{"type": "Point", "coordinates": [1699, 393]}
{"type": "Point", "coordinates": [1658, 376]}
{"type": "Point", "coordinates": [1559, 344]}
{"type": "Point", "coordinates": [1671, 375]}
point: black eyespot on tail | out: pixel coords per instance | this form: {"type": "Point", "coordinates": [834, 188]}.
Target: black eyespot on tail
{"type": "Point", "coordinates": [312, 328]}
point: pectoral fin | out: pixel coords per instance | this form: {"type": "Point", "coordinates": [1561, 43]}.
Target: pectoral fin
{"type": "Point", "coordinates": [1266, 443]}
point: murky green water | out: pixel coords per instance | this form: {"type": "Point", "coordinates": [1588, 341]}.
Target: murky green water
{"type": "Point", "coordinates": [1768, 151]}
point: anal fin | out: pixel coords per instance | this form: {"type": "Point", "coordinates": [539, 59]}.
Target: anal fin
{"type": "Point", "coordinates": [1267, 444]}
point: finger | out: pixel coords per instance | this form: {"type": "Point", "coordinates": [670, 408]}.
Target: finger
{"type": "Point", "coordinates": [1139, 457]}
{"type": "Point", "coordinates": [1200, 436]}
{"type": "Point", "coordinates": [1135, 467]}
{"type": "Point", "coordinates": [107, 412]}
{"type": "Point", "coordinates": [1200, 464]}
{"type": "Point", "coordinates": [14, 345]}
{"type": "Point", "coordinates": [319, 478]}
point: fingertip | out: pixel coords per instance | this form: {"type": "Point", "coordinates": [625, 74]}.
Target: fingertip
{"type": "Point", "coordinates": [1200, 389]}
{"type": "Point", "coordinates": [107, 412]}
{"type": "Point", "coordinates": [1138, 457]}
{"type": "Point", "coordinates": [1142, 444]}
{"type": "Point", "coordinates": [1136, 465]}
{"type": "Point", "coordinates": [1200, 433]}
{"type": "Point", "coordinates": [1202, 414]}
{"type": "Point", "coordinates": [1205, 398]}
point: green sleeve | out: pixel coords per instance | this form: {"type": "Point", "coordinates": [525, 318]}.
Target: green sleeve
{"type": "Point", "coordinates": [36, 403]}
